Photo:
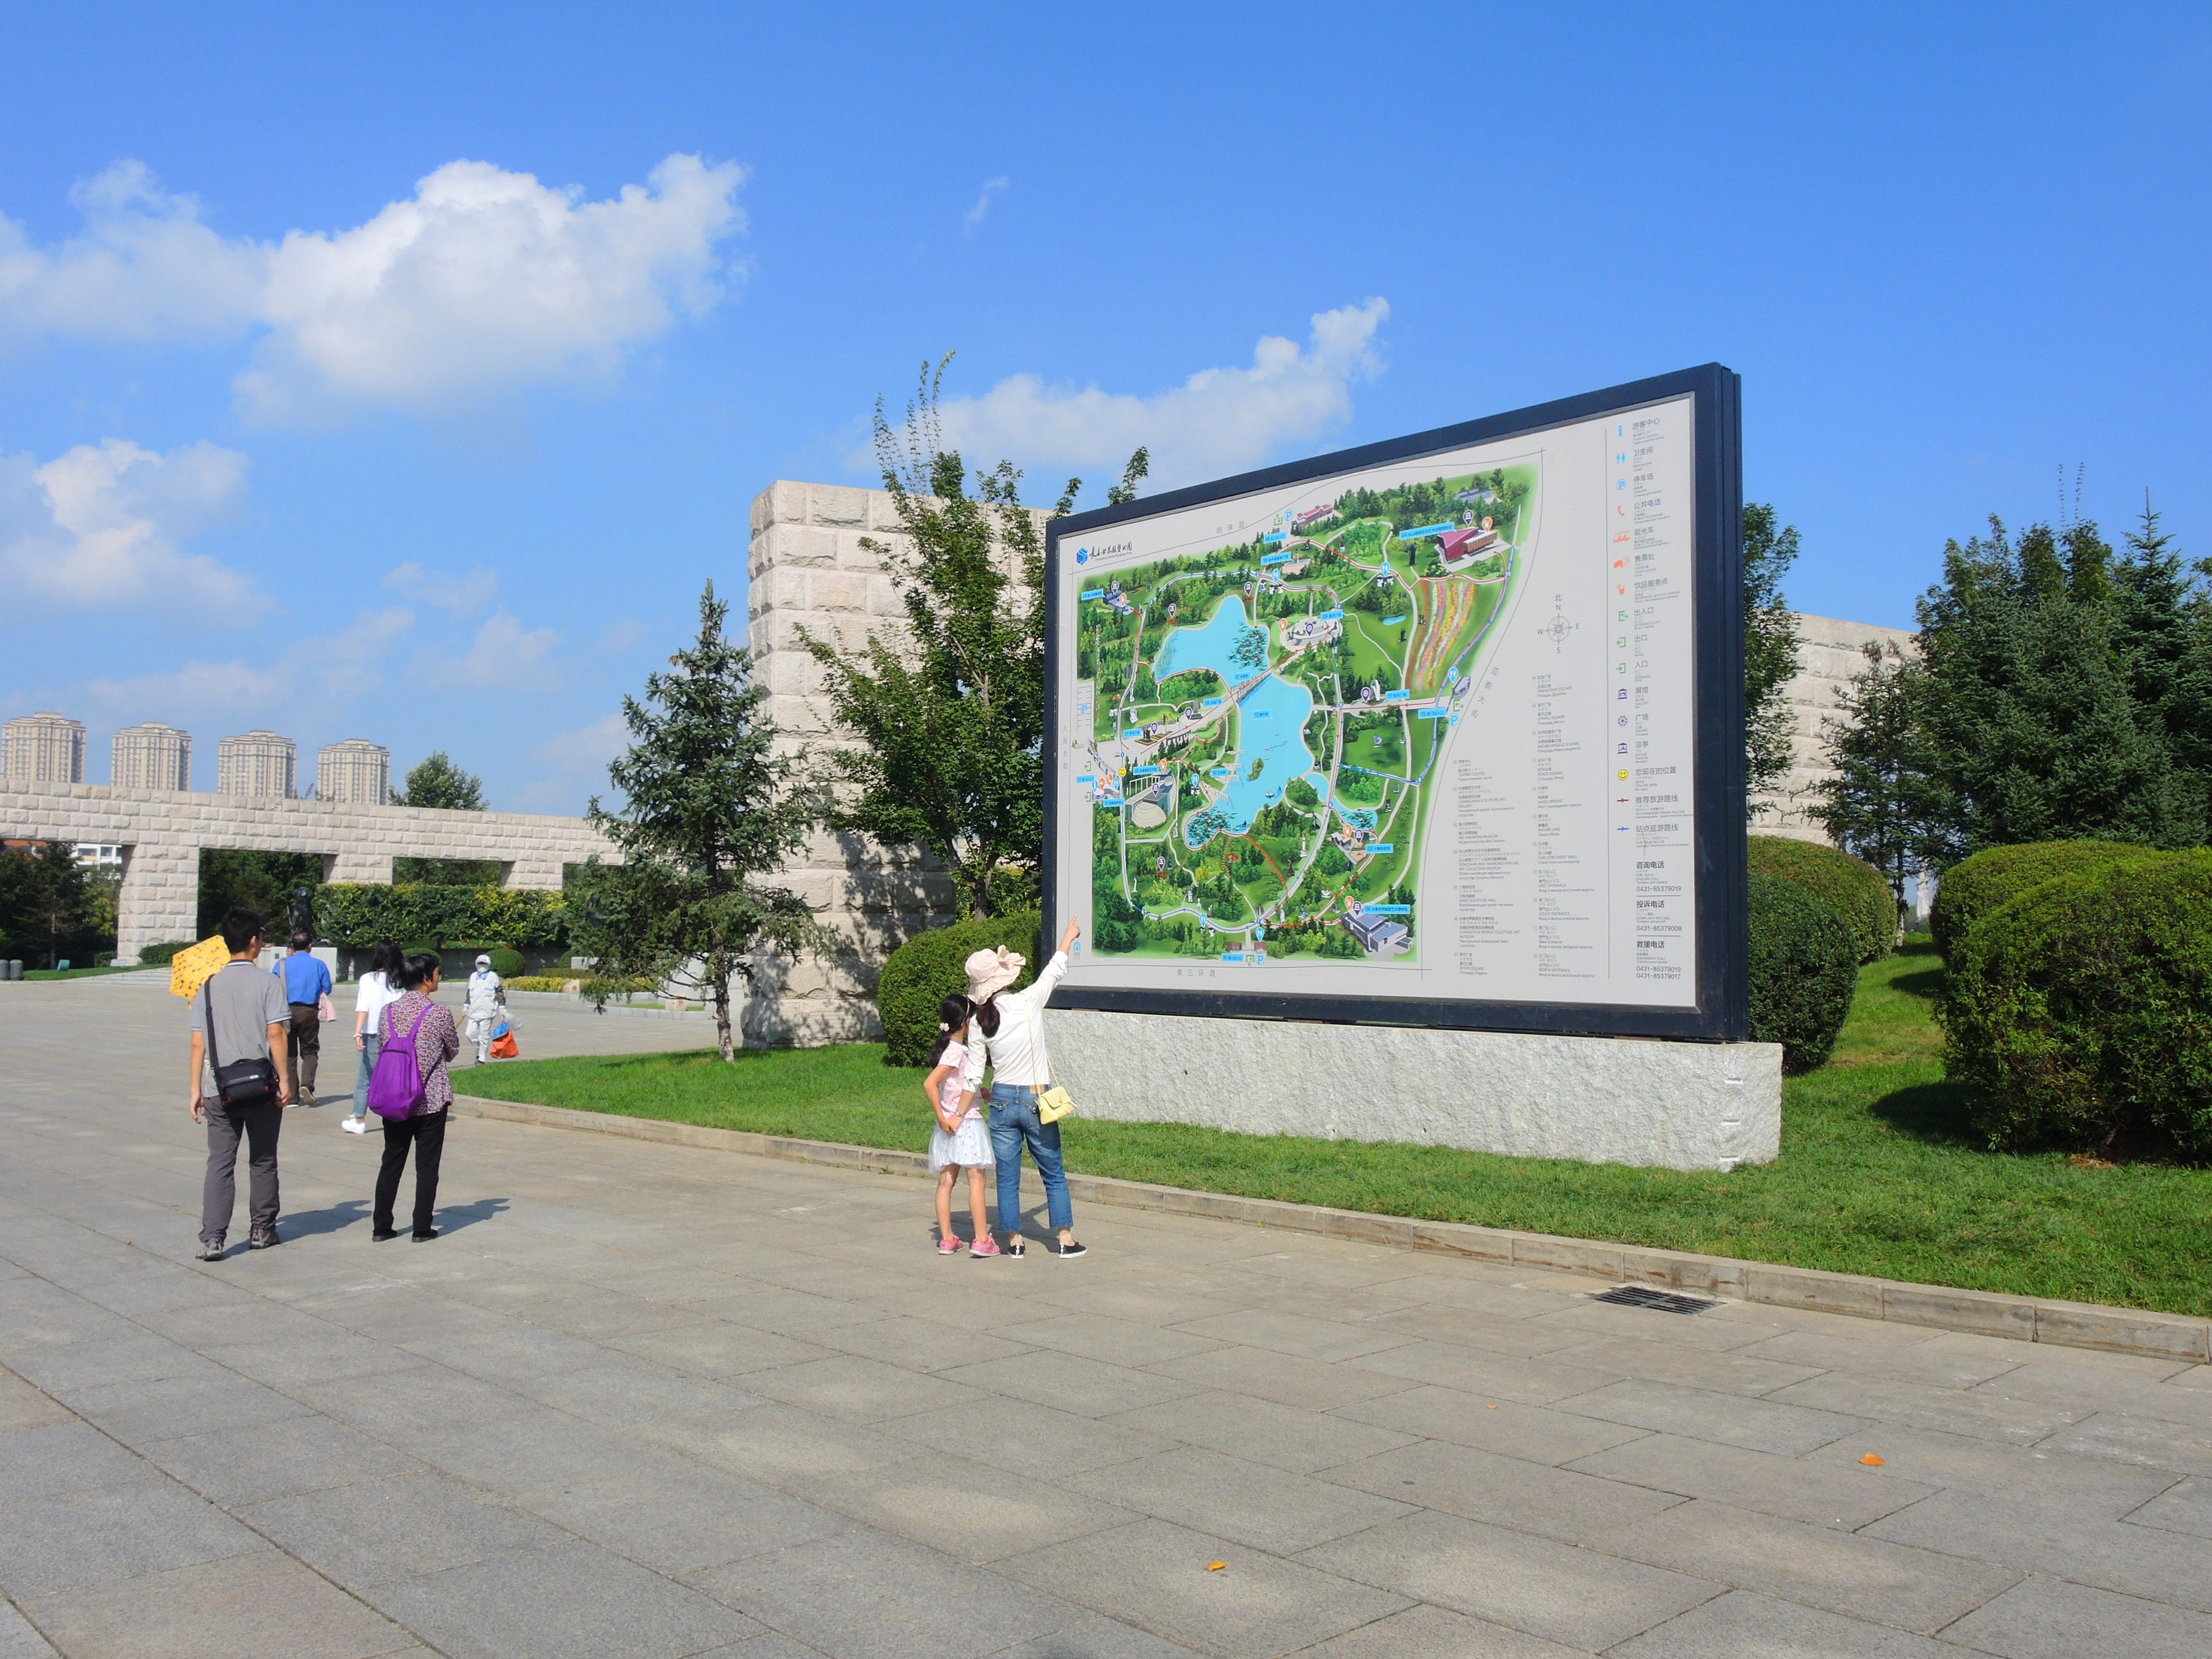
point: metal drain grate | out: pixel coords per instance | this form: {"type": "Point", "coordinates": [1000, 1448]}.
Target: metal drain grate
{"type": "Point", "coordinates": [1638, 1296]}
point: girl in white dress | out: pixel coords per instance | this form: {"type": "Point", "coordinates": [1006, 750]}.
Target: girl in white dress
{"type": "Point", "coordinates": [961, 1140]}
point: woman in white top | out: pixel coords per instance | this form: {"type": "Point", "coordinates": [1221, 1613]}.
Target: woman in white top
{"type": "Point", "coordinates": [378, 987]}
{"type": "Point", "coordinates": [1011, 1026]}
{"type": "Point", "coordinates": [487, 998]}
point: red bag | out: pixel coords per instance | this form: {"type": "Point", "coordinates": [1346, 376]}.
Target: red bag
{"type": "Point", "coordinates": [504, 1048]}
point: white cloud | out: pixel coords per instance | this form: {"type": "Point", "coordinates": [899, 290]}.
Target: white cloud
{"type": "Point", "coordinates": [483, 280]}
{"type": "Point", "coordinates": [504, 656]}
{"type": "Point", "coordinates": [588, 748]}
{"type": "Point", "coordinates": [145, 267]}
{"type": "Point", "coordinates": [577, 763]}
{"type": "Point", "coordinates": [622, 634]}
{"type": "Point", "coordinates": [339, 672]}
{"type": "Point", "coordinates": [974, 215]}
{"type": "Point", "coordinates": [101, 527]}
{"type": "Point", "coordinates": [1219, 421]}
{"type": "Point", "coordinates": [460, 596]}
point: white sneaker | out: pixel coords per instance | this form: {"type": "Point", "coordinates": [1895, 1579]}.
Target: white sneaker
{"type": "Point", "coordinates": [354, 1126]}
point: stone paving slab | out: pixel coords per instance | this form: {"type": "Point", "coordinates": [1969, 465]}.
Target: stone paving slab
{"type": "Point", "coordinates": [673, 1401]}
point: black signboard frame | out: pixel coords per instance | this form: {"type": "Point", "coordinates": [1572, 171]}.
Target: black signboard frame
{"type": "Point", "coordinates": [1720, 1009]}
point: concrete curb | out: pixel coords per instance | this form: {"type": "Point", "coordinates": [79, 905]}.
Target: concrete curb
{"type": "Point", "coordinates": [2021, 1318]}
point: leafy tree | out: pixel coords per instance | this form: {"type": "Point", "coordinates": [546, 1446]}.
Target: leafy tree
{"type": "Point", "coordinates": [43, 900]}
{"type": "Point", "coordinates": [712, 802]}
{"type": "Point", "coordinates": [950, 721]}
{"type": "Point", "coordinates": [1886, 801]}
{"type": "Point", "coordinates": [1770, 649]}
{"type": "Point", "coordinates": [241, 878]}
{"type": "Point", "coordinates": [436, 781]}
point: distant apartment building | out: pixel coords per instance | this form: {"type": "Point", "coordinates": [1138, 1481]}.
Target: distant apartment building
{"type": "Point", "coordinates": [152, 755]}
{"type": "Point", "coordinates": [42, 749]}
{"type": "Point", "coordinates": [354, 771]}
{"type": "Point", "coordinates": [104, 858]}
{"type": "Point", "coordinates": [258, 764]}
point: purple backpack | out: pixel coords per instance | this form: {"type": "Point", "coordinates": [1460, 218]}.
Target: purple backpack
{"type": "Point", "coordinates": [395, 1087]}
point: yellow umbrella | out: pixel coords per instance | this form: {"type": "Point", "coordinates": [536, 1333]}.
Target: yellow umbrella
{"type": "Point", "coordinates": [190, 970]}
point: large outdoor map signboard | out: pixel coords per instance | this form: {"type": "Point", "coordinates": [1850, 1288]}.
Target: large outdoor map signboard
{"type": "Point", "coordinates": [1445, 731]}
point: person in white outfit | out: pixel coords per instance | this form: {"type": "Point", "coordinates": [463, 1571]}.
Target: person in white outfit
{"type": "Point", "coordinates": [378, 988]}
{"type": "Point", "coordinates": [1012, 1025]}
{"type": "Point", "coordinates": [487, 1004]}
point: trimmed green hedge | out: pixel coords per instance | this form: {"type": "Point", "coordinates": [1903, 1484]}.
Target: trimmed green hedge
{"type": "Point", "coordinates": [2080, 1014]}
{"type": "Point", "coordinates": [508, 964]}
{"type": "Point", "coordinates": [1974, 887]}
{"type": "Point", "coordinates": [155, 955]}
{"type": "Point", "coordinates": [1851, 884]}
{"type": "Point", "coordinates": [356, 914]}
{"type": "Point", "coordinates": [927, 969]}
{"type": "Point", "coordinates": [1804, 966]}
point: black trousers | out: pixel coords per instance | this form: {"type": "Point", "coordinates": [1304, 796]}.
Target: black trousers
{"type": "Point", "coordinates": [426, 1135]}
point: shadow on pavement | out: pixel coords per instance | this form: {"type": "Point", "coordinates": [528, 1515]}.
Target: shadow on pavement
{"type": "Point", "coordinates": [451, 1217]}
{"type": "Point", "coordinates": [336, 1218]}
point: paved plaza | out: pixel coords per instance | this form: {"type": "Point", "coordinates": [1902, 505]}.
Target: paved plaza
{"type": "Point", "coordinates": [650, 1401]}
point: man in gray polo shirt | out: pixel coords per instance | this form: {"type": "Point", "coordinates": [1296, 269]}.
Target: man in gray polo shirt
{"type": "Point", "coordinates": [251, 1021]}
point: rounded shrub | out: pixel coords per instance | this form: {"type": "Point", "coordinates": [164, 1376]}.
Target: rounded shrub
{"type": "Point", "coordinates": [1851, 884]}
{"type": "Point", "coordinates": [1804, 966]}
{"type": "Point", "coordinates": [1974, 887]}
{"type": "Point", "coordinates": [162, 954]}
{"type": "Point", "coordinates": [2079, 1015]}
{"type": "Point", "coordinates": [926, 969]}
{"type": "Point", "coordinates": [507, 964]}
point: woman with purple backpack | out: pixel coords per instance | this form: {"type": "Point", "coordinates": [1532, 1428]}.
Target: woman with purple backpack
{"type": "Point", "coordinates": [412, 1099]}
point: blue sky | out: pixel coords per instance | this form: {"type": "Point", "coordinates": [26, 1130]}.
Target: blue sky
{"type": "Point", "coordinates": [402, 373]}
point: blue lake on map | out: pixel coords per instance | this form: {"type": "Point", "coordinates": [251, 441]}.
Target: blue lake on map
{"type": "Point", "coordinates": [1208, 646]}
{"type": "Point", "coordinates": [1271, 718]}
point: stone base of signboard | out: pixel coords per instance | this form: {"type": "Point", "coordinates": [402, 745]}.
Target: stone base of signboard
{"type": "Point", "coordinates": [1604, 1100]}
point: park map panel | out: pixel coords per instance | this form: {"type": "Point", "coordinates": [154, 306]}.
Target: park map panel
{"type": "Point", "coordinates": [1266, 719]}
{"type": "Point", "coordinates": [1402, 731]}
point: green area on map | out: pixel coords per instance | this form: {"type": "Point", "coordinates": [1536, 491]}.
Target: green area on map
{"type": "Point", "coordinates": [1264, 719]}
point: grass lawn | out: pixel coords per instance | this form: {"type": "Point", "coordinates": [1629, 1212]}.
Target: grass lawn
{"type": "Point", "coordinates": [30, 973]}
{"type": "Point", "coordinates": [1879, 1174]}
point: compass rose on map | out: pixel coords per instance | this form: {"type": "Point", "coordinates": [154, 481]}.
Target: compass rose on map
{"type": "Point", "coordinates": [1558, 628]}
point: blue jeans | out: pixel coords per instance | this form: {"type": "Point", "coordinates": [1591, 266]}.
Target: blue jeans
{"type": "Point", "coordinates": [1013, 1126]}
{"type": "Point", "coordinates": [371, 1040]}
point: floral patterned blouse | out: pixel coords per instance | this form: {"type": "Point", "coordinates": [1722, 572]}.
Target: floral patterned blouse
{"type": "Point", "coordinates": [437, 1043]}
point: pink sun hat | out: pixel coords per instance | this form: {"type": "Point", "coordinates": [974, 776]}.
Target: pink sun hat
{"type": "Point", "coordinates": [990, 972]}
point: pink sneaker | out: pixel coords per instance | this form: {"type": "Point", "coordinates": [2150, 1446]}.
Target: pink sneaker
{"type": "Point", "coordinates": [986, 1245]}
{"type": "Point", "coordinates": [948, 1246]}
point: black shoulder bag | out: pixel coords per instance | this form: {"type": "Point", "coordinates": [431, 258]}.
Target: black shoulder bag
{"type": "Point", "coordinates": [243, 1082]}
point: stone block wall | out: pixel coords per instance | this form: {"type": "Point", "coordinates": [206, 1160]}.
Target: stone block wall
{"type": "Point", "coordinates": [162, 834]}
{"type": "Point", "coordinates": [1829, 652]}
{"type": "Point", "coordinates": [810, 576]}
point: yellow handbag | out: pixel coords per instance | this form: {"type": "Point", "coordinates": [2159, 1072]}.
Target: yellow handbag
{"type": "Point", "coordinates": [1055, 1103]}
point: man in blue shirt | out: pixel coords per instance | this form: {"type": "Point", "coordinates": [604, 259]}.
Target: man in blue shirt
{"type": "Point", "coordinates": [307, 983]}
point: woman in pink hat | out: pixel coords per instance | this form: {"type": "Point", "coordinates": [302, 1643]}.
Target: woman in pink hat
{"type": "Point", "coordinates": [1011, 1026]}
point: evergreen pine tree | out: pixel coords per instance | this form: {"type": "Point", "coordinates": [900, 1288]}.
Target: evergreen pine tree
{"type": "Point", "coordinates": [712, 802]}
{"type": "Point", "coordinates": [2033, 704]}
